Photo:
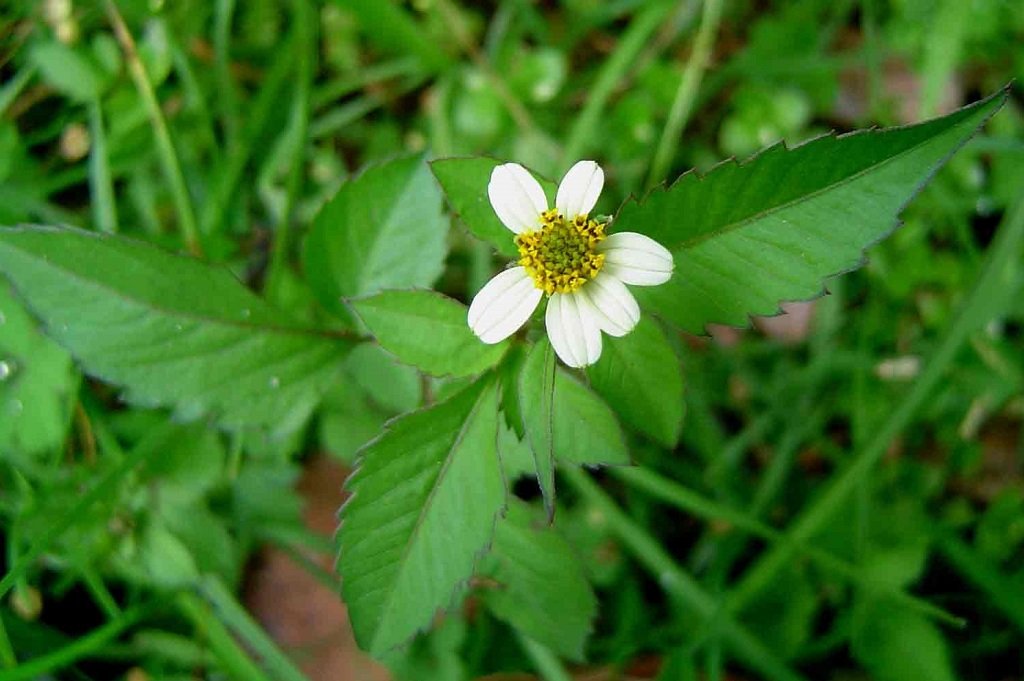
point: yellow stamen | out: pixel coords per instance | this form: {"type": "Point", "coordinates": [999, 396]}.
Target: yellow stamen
{"type": "Point", "coordinates": [562, 255]}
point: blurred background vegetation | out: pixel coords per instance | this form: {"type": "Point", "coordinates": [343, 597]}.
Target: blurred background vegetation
{"type": "Point", "coordinates": [221, 126]}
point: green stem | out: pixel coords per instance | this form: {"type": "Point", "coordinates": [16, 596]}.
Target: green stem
{"type": "Point", "coordinates": [1003, 593]}
{"type": "Point", "coordinates": [543, 659]}
{"type": "Point", "coordinates": [7, 657]}
{"type": "Point", "coordinates": [238, 620]}
{"type": "Point", "coordinates": [677, 582]}
{"type": "Point", "coordinates": [583, 135]}
{"type": "Point", "coordinates": [686, 500]}
{"type": "Point", "coordinates": [212, 631]}
{"type": "Point", "coordinates": [101, 186]}
{"type": "Point", "coordinates": [682, 104]}
{"type": "Point", "coordinates": [162, 135]}
{"type": "Point", "coordinates": [79, 648]}
{"type": "Point", "coordinates": [988, 298]}
{"type": "Point", "coordinates": [11, 89]}
{"type": "Point", "coordinates": [227, 95]}
{"type": "Point", "coordinates": [299, 124]}
{"type": "Point", "coordinates": [103, 490]}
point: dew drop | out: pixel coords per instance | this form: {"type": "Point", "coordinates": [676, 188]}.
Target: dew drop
{"type": "Point", "coordinates": [246, 313]}
{"type": "Point", "coordinates": [178, 327]}
{"type": "Point", "coordinates": [6, 369]}
{"type": "Point", "coordinates": [17, 406]}
{"type": "Point", "coordinates": [275, 382]}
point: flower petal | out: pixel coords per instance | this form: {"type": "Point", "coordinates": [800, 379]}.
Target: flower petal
{"type": "Point", "coordinates": [517, 198]}
{"type": "Point", "coordinates": [579, 189]}
{"type": "Point", "coordinates": [636, 259]}
{"type": "Point", "coordinates": [615, 308]}
{"type": "Point", "coordinates": [573, 330]}
{"type": "Point", "coordinates": [503, 305]}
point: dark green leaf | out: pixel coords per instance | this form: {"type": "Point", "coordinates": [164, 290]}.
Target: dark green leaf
{"type": "Point", "coordinates": [640, 378]}
{"type": "Point", "coordinates": [749, 235]}
{"type": "Point", "coordinates": [424, 502]}
{"type": "Point", "coordinates": [382, 229]}
{"type": "Point", "coordinates": [536, 568]}
{"type": "Point", "coordinates": [171, 330]}
{"type": "Point", "coordinates": [464, 181]}
{"type": "Point", "coordinates": [428, 331]}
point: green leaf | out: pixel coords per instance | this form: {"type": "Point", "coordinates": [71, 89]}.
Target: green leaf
{"type": "Point", "coordinates": [424, 502]}
{"type": "Point", "coordinates": [640, 378]}
{"type": "Point", "coordinates": [464, 181]}
{"type": "Point", "coordinates": [897, 644]}
{"type": "Point", "coordinates": [174, 332]}
{"type": "Point", "coordinates": [536, 396]}
{"type": "Point", "coordinates": [67, 71]}
{"type": "Point", "coordinates": [395, 387]}
{"type": "Point", "coordinates": [382, 229]}
{"type": "Point", "coordinates": [37, 383]}
{"type": "Point", "coordinates": [429, 331]}
{"type": "Point", "coordinates": [586, 431]}
{"type": "Point", "coordinates": [749, 235]}
{"type": "Point", "coordinates": [536, 567]}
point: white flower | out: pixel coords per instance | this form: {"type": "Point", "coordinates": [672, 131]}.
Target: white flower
{"type": "Point", "coordinates": [566, 255]}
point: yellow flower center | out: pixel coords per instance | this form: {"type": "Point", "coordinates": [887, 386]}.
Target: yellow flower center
{"type": "Point", "coordinates": [562, 255]}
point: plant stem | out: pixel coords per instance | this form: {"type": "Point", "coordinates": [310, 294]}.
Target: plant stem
{"type": "Point", "coordinates": [677, 582]}
{"type": "Point", "coordinates": [232, 658]}
{"type": "Point", "coordinates": [103, 490]}
{"type": "Point", "coordinates": [989, 297]}
{"type": "Point", "coordinates": [1003, 593]}
{"type": "Point", "coordinates": [584, 131]}
{"type": "Point", "coordinates": [682, 104]}
{"type": "Point", "coordinates": [299, 124]}
{"type": "Point", "coordinates": [104, 206]}
{"type": "Point", "coordinates": [77, 649]}
{"type": "Point", "coordinates": [162, 135]}
{"type": "Point", "coordinates": [684, 499]}
{"type": "Point", "coordinates": [544, 660]}
{"type": "Point", "coordinates": [232, 614]}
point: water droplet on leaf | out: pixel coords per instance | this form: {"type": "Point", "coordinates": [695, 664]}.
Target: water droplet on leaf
{"type": "Point", "coordinates": [275, 382]}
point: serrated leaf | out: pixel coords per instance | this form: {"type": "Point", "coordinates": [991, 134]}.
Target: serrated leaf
{"type": "Point", "coordinates": [464, 181]}
{"type": "Point", "coordinates": [173, 331]}
{"type": "Point", "coordinates": [536, 405]}
{"type": "Point", "coordinates": [535, 567]}
{"type": "Point", "coordinates": [584, 428]}
{"type": "Point", "coordinates": [749, 235]}
{"type": "Point", "coordinates": [382, 229]}
{"type": "Point", "coordinates": [428, 331]}
{"type": "Point", "coordinates": [640, 378]}
{"type": "Point", "coordinates": [424, 502]}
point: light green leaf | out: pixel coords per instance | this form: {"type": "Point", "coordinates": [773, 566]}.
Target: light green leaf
{"type": "Point", "coordinates": [535, 567]}
{"type": "Point", "coordinates": [395, 387]}
{"type": "Point", "coordinates": [37, 383]}
{"type": "Point", "coordinates": [464, 181]}
{"type": "Point", "coordinates": [429, 331]}
{"type": "Point", "coordinates": [424, 502]}
{"type": "Point", "coordinates": [536, 395]}
{"type": "Point", "coordinates": [585, 428]}
{"type": "Point", "coordinates": [382, 229]}
{"type": "Point", "coordinates": [67, 71]}
{"type": "Point", "coordinates": [749, 235]}
{"type": "Point", "coordinates": [639, 376]}
{"type": "Point", "coordinates": [173, 331]}
{"type": "Point", "coordinates": [580, 426]}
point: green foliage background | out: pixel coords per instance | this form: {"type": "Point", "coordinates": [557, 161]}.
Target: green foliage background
{"type": "Point", "coordinates": [844, 501]}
